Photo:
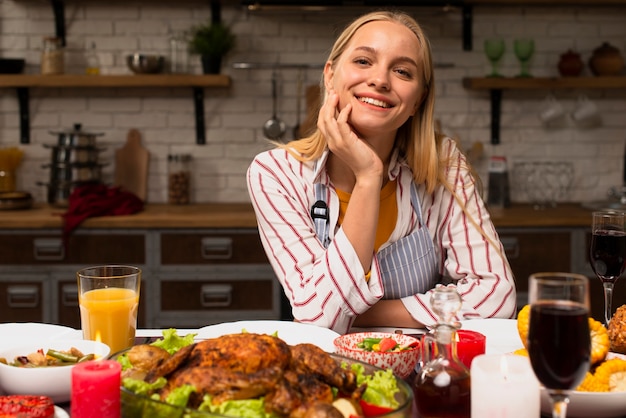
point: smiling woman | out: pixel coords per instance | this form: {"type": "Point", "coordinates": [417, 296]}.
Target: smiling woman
{"type": "Point", "coordinates": [365, 216]}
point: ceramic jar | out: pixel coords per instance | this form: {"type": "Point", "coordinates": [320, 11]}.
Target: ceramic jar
{"type": "Point", "coordinates": [570, 64]}
{"type": "Point", "coordinates": [606, 60]}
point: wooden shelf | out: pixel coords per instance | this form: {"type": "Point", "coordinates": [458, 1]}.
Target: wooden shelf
{"type": "Point", "coordinates": [537, 83]}
{"type": "Point", "coordinates": [495, 85]}
{"type": "Point", "coordinates": [22, 84]}
{"type": "Point", "coordinates": [143, 80]}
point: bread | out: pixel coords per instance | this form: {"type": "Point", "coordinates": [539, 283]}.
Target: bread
{"type": "Point", "coordinates": [617, 330]}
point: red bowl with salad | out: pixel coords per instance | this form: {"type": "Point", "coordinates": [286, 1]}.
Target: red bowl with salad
{"type": "Point", "coordinates": [386, 395]}
{"type": "Point", "coordinates": [386, 350]}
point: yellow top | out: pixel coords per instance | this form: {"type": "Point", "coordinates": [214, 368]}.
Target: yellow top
{"type": "Point", "coordinates": [387, 214]}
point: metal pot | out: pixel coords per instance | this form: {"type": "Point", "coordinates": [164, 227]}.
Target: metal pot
{"type": "Point", "coordinates": [74, 172]}
{"type": "Point", "coordinates": [76, 137]}
{"type": "Point", "coordinates": [74, 155]}
{"type": "Point", "coordinates": [59, 192]}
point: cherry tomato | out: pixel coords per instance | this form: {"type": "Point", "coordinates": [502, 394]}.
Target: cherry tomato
{"type": "Point", "coordinates": [371, 410]}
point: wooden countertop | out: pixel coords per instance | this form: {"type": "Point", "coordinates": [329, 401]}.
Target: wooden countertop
{"type": "Point", "coordinates": [241, 215]}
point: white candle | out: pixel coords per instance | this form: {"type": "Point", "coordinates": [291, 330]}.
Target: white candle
{"type": "Point", "coordinates": [504, 386]}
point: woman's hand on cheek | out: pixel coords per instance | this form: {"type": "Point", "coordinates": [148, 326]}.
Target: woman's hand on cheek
{"type": "Point", "coordinates": [341, 138]}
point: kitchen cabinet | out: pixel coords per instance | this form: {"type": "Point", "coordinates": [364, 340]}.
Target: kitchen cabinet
{"type": "Point", "coordinates": [214, 275]}
{"type": "Point", "coordinates": [534, 250]}
{"type": "Point", "coordinates": [495, 85]}
{"type": "Point", "coordinates": [191, 276]}
{"type": "Point", "coordinates": [37, 271]}
{"type": "Point", "coordinates": [23, 83]}
{"type": "Point", "coordinates": [531, 250]}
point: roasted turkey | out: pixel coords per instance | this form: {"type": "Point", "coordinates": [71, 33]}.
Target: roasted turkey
{"type": "Point", "coordinates": [296, 381]}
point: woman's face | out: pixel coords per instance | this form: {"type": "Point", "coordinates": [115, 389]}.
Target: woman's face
{"type": "Point", "coordinates": [379, 74]}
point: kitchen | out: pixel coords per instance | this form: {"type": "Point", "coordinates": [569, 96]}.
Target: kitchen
{"type": "Point", "coordinates": [234, 117]}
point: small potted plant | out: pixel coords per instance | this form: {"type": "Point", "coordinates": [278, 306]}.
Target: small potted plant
{"type": "Point", "coordinates": [211, 41]}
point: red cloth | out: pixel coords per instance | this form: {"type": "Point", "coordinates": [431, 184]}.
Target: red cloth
{"type": "Point", "coordinates": [93, 200]}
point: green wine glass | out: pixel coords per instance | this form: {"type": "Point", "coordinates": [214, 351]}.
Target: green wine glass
{"type": "Point", "coordinates": [524, 49]}
{"type": "Point", "coordinates": [494, 49]}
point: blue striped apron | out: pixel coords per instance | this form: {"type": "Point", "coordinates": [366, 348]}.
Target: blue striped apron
{"type": "Point", "coordinates": [407, 266]}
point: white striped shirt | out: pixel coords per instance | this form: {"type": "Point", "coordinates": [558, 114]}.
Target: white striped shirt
{"type": "Point", "coordinates": [326, 286]}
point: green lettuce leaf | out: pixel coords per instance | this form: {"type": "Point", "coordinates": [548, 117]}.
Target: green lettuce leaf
{"type": "Point", "coordinates": [381, 386]}
{"type": "Point", "coordinates": [172, 342]}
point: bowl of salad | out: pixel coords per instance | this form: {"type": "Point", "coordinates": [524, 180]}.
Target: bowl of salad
{"type": "Point", "coordinates": [386, 350]}
{"type": "Point", "coordinates": [45, 368]}
{"type": "Point", "coordinates": [222, 377]}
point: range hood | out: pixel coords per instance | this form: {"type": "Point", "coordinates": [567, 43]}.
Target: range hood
{"type": "Point", "coordinates": [324, 4]}
{"type": "Point", "coordinates": [321, 5]}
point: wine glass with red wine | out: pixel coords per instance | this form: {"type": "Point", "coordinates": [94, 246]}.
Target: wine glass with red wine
{"type": "Point", "coordinates": [607, 253]}
{"type": "Point", "coordinates": [559, 341]}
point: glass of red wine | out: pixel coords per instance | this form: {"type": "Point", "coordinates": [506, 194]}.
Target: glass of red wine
{"type": "Point", "coordinates": [607, 253]}
{"type": "Point", "coordinates": [559, 341]}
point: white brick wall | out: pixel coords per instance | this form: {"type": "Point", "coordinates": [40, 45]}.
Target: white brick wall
{"type": "Point", "coordinates": [234, 118]}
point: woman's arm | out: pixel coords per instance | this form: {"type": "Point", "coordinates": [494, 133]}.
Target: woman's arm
{"type": "Point", "coordinates": [471, 254]}
{"type": "Point", "coordinates": [326, 286]}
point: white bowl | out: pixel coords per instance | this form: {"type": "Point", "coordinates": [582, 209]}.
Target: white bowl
{"type": "Point", "coordinates": [54, 382]}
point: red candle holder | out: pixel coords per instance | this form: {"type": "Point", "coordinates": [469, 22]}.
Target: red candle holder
{"type": "Point", "coordinates": [96, 389]}
{"type": "Point", "coordinates": [469, 345]}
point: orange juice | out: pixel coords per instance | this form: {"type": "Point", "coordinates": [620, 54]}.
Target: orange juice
{"type": "Point", "coordinates": [110, 315]}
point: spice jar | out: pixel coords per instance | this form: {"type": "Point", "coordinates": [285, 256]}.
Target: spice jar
{"type": "Point", "coordinates": [179, 179]}
{"type": "Point", "coordinates": [52, 61]}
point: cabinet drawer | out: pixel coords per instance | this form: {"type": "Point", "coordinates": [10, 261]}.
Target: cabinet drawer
{"type": "Point", "coordinates": [212, 247]}
{"type": "Point", "coordinates": [531, 252]}
{"type": "Point", "coordinates": [22, 302]}
{"type": "Point", "coordinates": [37, 249]}
{"type": "Point", "coordinates": [222, 295]}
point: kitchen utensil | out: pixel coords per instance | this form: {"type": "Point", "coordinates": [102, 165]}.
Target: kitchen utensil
{"type": "Point", "coordinates": [15, 200]}
{"type": "Point", "coordinates": [12, 65]}
{"type": "Point", "coordinates": [570, 64]}
{"type": "Point", "coordinates": [68, 172]}
{"type": "Point", "coordinates": [76, 137]}
{"type": "Point", "coordinates": [586, 114]}
{"type": "Point", "coordinates": [145, 63]}
{"type": "Point", "coordinates": [552, 113]}
{"type": "Point", "coordinates": [494, 49]}
{"type": "Point", "coordinates": [296, 128]}
{"type": "Point", "coordinates": [73, 155]}
{"type": "Point", "coordinates": [274, 128]}
{"type": "Point", "coordinates": [524, 49]}
{"type": "Point", "coordinates": [10, 159]}
{"type": "Point", "coordinates": [131, 165]}
{"type": "Point", "coordinates": [59, 191]}
{"type": "Point", "coordinates": [606, 60]}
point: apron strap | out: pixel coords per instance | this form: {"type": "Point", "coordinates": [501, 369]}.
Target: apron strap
{"type": "Point", "coordinates": [321, 215]}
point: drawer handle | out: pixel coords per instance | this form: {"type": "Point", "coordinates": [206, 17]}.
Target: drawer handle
{"type": "Point", "coordinates": [23, 296]}
{"type": "Point", "coordinates": [69, 295]}
{"type": "Point", "coordinates": [49, 249]}
{"type": "Point", "coordinates": [216, 295]}
{"type": "Point", "coordinates": [217, 248]}
{"type": "Point", "coordinates": [511, 246]}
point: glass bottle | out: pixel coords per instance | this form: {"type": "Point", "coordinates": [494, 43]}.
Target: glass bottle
{"type": "Point", "coordinates": [93, 62]}
{"type": "Point", "coordinates": [52, 60]}
{"type": "Point", "coordinates": [179, 53]}
{"type": "Point", "coordinates": [179, 179]}
{"type": "Point", "coordinates": [442, 385]}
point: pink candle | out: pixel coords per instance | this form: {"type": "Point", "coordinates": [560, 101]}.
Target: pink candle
{"type": "Point", "coordinates": [469, 345]}
{"type": "Point", "coordinates": [96, 389]}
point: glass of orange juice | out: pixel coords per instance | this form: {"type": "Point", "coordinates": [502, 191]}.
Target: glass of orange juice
{"type": "Point", "coordinates": [108, 297]}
